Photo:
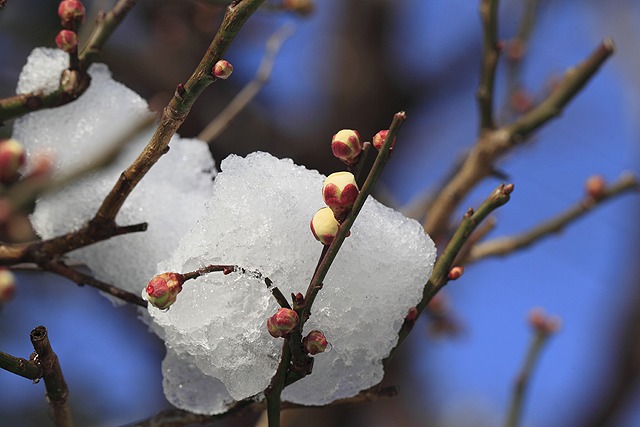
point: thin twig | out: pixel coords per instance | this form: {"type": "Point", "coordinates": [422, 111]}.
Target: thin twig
{"type": "Point", "coordinates": [57, 391]}
{"type": "Point", "coordinates": [17, 365]}
{"type": "Point", "coordinates": [242, 99]}
{"type": "Point", "coordinates": [440, 274]}
{"type": "Point", "coordinates": [84, 279]}
{"type": "Point", "coordinates": [502, 246]}
{"type": "Point", "coordinates": [490, 54]}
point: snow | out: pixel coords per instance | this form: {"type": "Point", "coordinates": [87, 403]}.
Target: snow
{"type": "Point", "coordinates": [169, 198]}
{"type": "Point", "coordinates": [258, 218]}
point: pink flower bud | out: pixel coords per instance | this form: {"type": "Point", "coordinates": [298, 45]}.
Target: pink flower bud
{"type": "Point", "coordinates": [222, 69]}
{"type": "Point", "coordinates": [315, 342]}
{"type": "Point", "coordinates": [283, 322]}
{"type": "Point", "coordinates": [378, 139]}
{"type": "Point", "coordinates": [71, 13]}
{"type": "Point", "coordinates": [346, 146]}
{"type": "Point", "coordinates": [163, 289]}
{"type": "Point", "coordinates": [340, 192]}
{"type": "Point", "coordinates": [7, 284]}
{"type": "Point", "coordinates": [456, 272]}
{"type": "Point", "coordinates": [303, 7]}
{"type": "Point", "coordinates": [12, 158]}
{"type": "Point", "coordinates": [542, 323]}
{"type": "Point", "coordinates": [67, 40]}
{"type": "Point", "coordinates": [324, 226]}
{"type": "Point", "coordinates": [595, 187]}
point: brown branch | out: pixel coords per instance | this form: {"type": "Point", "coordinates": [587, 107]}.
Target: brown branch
{"type": "Point", "coordinates": [506, 245]}
{"type": "Point", "coordinates": [61, 269]}
{"type": "Point", "coordinates": [17, 365]}
{"type": "Point", "coordinates": [490, 55]}
{"type": "Point", "coordinates": [492, 144]}
{"type": "Point", "coordinates": [179, 417]}
{"type": "Point", "coordinates": [57, 391]}
{"type": "Point", "coordinates": [176, 112]}
{"type": "Point", "coordinates": [242, 99]}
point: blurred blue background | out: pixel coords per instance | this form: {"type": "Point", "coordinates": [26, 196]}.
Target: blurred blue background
{"type": "Point", "coordinates": [353, 64]}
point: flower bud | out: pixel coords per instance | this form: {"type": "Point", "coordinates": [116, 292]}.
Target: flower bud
{"type": "Point", "coordinates": [595, 187]}
{"type": "Point", "coordinates": [378, 139]}
{"type": "Point", "coordinates": [315, 342]}
{"type": "Point", "coordinates": [340, 192]}
{"type": "Point", "coordinates": [7, 285]}
{"type": "Point", "coordinates": [222, 69]}
{"type": "Point", "coordinates": [67, 40]}
{"type": "Point", "coordinates": [346, 146]}
{"type": "Point", "coordinates": [542, 323]}
{"type": "Point", "coordinates": [12, 157]}
{"type": "Point", "coordinates": [303, 7]}
{"type": "Point", "coordinates": [456, 272]}
{"type": "Point", "coordinates": [324, 226]}
{"type": "Point", "coordinates": [163, 289]}
{"type": "Point", "coordinates": [283, 322]}
{"type": "Point", "coordinates": [71, 13]}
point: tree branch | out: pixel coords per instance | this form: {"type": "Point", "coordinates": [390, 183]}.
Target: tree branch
{"type": "Point", "coordinates": [57, 391]}
{"type": "Point", "coordinates": [506, 245]}
{"type": "Point", "coordinates": [490, 55]}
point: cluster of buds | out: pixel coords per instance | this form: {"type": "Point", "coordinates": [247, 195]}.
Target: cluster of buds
{"type": "Point", "coordinates": [163, 289]}
{"type": "Point", "coordinates": [72, 14]}
{"type": "Point", "coordinates": [339, 193]}
{"type": "Point", "coordinates": [222, 69]}
{"type": "Point", "coordinates": [282, 323]}
{"type": "Point", "coordinates": [7, 285]}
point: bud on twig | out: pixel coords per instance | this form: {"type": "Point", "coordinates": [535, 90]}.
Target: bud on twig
{"type": "Point", "coordinates": [283, 322]}
{"type": "Point", "coordinates": [378, 139]}
{"type": "Point", "coordinates": [7, 285]}
{"type": "Point", "coordinates": [67, 40]}
{"type": "Point", "coordinates": [222, 69]}
{"type": "Point", "coordinates": [163, 289]}
{"type": "Point", "coordinates": [347, 146]}
{"type": "Point", "coordinates": [456, 272]}
{"type": "Point", "coordinates": [303, 7]}
{"type": "Point", "coordinates": [324, 226]}
{"type": "Point", "coordinates": [315, 342]}
{"type": "Point", "coordinates": [542, 323]}
{"type": "Point", "coordinates": [12, 157]}
{"type": "Point", "coordinates": [340, 192]}
{"type": "Point", "coordinates": [71, 13]}
{"type": "Point", "coordinates": [595, 187]}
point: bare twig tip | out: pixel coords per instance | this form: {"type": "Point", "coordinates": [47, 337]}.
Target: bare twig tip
{"type": "Point", "coordinates": [508, 189]}
{"type": "Point", "coordinates": [609, 44]}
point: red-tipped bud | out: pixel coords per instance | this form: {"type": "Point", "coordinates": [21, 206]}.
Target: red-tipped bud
{"type": "Point", "coordinates": [324, 226]}
{"type": "Point", "coordinates": [7, 285]}
{"type": "Point", "coordinates": [378, 139]}
{"type": "Point", "coordinates": [595, 187]}
{"type": "Point", "coordinates": [163, 289]}
{"type": "Point", "coordinates": [222, 69]}
{"type": "Point", "coordinates": [71, 13]}
{"type": "Point", "coordinates": [12, 158]}
{"type": "Point", "coordinates": [456, 272]}
{"type": "Point", "coordinates": [67, 40]}
{"type": "Point", "coordinates": [283, 322]}
{"type": "Point", "coordinates": [340, 192]}
{"type": "Point", "coordinates": [303, 7]}
{"type": "Point", "coordinates": [315, 342]}
{"type": "Point", "coordinates": [346, 146]}
{"type": "Point", "coordinates": [542, 323]}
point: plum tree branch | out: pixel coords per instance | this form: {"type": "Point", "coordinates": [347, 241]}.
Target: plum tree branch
{"type": "Point", "coordinates": [492, 144]}
{"type": "Point", "coordinates": [490, 55]}
{"type": "Point", "coordinates": [506, 245]}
